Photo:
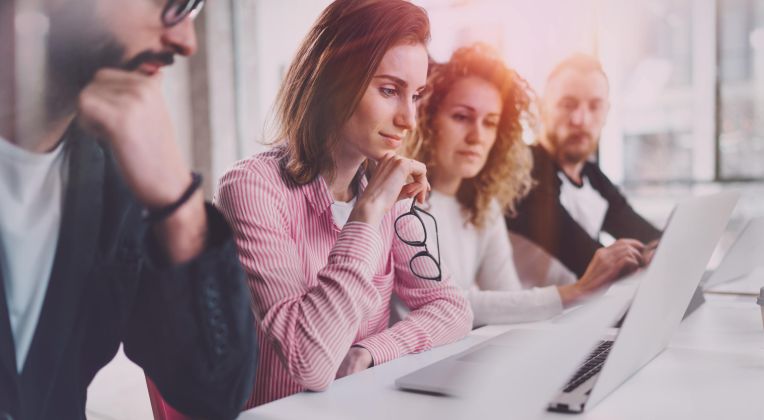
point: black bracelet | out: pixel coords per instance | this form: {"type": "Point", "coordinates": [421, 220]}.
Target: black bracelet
{"type": "Point", "coordinates": [157, 215]}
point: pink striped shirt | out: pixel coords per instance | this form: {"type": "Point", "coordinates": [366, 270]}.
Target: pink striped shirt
{"type": "Point", "coordinates": [317, 289]}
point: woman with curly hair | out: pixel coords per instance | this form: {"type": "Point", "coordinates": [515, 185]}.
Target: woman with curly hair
{"type": "Point", "coordinates": [470, 136]}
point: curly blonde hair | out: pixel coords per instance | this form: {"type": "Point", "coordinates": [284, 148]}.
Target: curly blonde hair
{"type": "Point", "coordinates": [506, 176]}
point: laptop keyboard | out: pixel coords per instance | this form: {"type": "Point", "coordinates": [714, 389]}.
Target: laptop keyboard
{"type": "Point", "coordinates": [591, 367]}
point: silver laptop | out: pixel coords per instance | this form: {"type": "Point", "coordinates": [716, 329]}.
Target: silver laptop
{"type": "Point", "coordinates": [664, 291]}
{"type": "Point", "coordinates": [742, 257]}
{"type": "Point", "coordinates": [515, 374]}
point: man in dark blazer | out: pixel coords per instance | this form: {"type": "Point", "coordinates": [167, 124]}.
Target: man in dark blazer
{"type": "Point", "coordinates": [105, 237]}
{"type": "Point", "coordinates": [573, 200]}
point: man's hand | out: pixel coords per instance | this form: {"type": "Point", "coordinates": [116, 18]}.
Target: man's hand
{"type": "Point", "coordinates": [128, 111]}
{"type": "Point", "coordinates": [608, 264]}
{"type": "Point", "coordinates": [649, 252]}
{"type": "Point", "coordinates": [357, 359]}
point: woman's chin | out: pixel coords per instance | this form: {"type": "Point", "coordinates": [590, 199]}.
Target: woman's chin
{"type": "Point", "coordinates": [378, 153]}
{"type": "Point", "coordinates": [466, 171]}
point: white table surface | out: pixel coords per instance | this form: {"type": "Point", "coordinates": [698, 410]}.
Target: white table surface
{"type": "Point", "coordinates": [748, 284]}
{"type": "Point", "coordinates": [713, 369]}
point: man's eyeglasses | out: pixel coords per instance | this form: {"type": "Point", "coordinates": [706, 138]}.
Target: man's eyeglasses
{"type": "Point", "coordinates": [411, 230]}
{"type": "Point", "coordinates": [177, 10]}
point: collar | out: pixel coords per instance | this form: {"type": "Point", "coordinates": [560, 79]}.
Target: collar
{"type": "Point", "coordinates": [320, 198]}
{"type": "Point", "coordinates": [543, 159]}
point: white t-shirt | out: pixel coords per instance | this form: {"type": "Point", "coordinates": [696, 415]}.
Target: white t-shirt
{"type": "Point", "coordinates": [341, 212]}
{"type": "Point", "coordinates": [32, 189]}
{"type": "Point", "coordinates": [481, 263]}
{"type": "Point", "coordinates": [584, 204]}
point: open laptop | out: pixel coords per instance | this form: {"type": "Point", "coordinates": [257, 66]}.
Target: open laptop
{"type": "Point", "coordinates": [663, 292]}
{"type": "Point", "coordinates": [742, 257]}
{"type": "Point", "coordinates": [516, 373]}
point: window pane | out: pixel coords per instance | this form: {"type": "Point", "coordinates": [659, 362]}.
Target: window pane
{"type": "Point", "coordinates": [658, 92]}
{"type": "Point", "coordinates": [658, 156]}
{"type": "Point", "coordinates": [741, 66]}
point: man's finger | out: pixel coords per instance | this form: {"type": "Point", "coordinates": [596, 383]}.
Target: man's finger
{"type": "Point", "coordinates": [636, 254]}
{"type": "Point", "coordinates": [631, 242]}
{"type": "Point", "coordinates": [98, 112]}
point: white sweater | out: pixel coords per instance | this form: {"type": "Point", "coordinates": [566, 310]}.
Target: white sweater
{"type": "Point", "coordinates": [481, 263]}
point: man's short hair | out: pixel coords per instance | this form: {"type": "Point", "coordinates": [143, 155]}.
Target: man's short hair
{"type": "Point", "coordinates": [580, 62]}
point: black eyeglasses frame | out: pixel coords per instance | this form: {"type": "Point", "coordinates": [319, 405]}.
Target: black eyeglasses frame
{"type": "Point", "coordinates": [414, 211]}
{"type": "Point", "coordinates": [191, 8]}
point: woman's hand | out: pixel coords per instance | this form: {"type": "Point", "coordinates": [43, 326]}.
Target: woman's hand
{"type": "Point", "coordinates": [608, 264]}
{"type": "Point", "coordinates": [395, 178]}
{"type": "Point", "coordinates": [357, 359]}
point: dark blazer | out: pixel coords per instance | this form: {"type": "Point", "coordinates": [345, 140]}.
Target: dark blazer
{"type": "Point", "coordinates": [190, 327]}
{"type": "Point", "coordinates": [543, 219]}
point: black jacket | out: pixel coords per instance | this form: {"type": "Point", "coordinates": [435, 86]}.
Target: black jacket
{"type": "Point", "coordinates": [190, 327]}
{"type": "Point", "coordinates": [542, 218]}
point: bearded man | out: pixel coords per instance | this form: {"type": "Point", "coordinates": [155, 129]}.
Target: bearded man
{"type": "Point", "coordinates": [105, 238]}
{"type": "Point", "coordinates": [573, 201]}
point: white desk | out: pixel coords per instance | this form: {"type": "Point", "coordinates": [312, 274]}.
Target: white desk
{"type": "Point", "coordinates": [749, 284]}
{"type": "Point", "coordinates": [713, 369]}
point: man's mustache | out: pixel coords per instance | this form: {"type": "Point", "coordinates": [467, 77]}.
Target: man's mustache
{"type": "Point", "coordinates": [580, 135]}
{"type": "Point", "coordinates": [166, 58]}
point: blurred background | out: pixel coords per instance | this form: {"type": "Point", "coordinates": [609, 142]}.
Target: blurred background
{"type": "Point", "coordinates": [687, 76]}
{"type": "Point", "coordinates": [687, 86]}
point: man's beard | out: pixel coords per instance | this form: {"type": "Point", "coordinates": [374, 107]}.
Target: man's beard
{"type": "Point", "coordinates": [78, 46]}
{"type": "Point", "coordinates": [573, 155]}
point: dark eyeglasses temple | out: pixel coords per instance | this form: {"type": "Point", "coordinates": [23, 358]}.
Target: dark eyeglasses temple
{"type": "Point", "coordinates": [413, 209]}
{"type": "Point", "coordinates": [191, 7]}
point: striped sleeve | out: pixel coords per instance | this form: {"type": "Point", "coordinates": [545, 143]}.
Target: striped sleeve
{"type": "Point", "coordinates": [440, 314]}
{"type": "Point", "coordinates": [310, 327]}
